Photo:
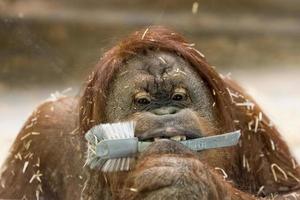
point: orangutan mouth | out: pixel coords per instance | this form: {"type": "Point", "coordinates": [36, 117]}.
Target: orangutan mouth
{"type": "Point", "coordinates": [172, 133]}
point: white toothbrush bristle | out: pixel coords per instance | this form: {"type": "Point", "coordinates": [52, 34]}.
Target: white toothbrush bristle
{"type": "Point", "coordinates": [118, 130]}
{"type": "Point", "coordinates": [121, 130]}
{"type": "Point", "coordinates": [122, 164]}
{"type": "Point", "coordinates": [112, 165]}
{"type": "Point", "coordinates": [106, 165]}
{"type": "Point", "coordinates": [127, 164]}
{"type": "Point", "coordinates": [117, 166]}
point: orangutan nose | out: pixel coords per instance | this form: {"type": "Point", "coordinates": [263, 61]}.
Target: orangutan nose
{"type": "Point", "coordinates": [166, 110]}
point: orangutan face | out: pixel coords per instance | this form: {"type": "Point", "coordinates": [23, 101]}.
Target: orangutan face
{"type": "Point", "coordinates": [164, 96]}
{"type": "Point", "coordinates": [168, 100]}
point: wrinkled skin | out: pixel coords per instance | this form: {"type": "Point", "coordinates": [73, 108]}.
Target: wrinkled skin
{"type": "Point", "coordinates": [170, 171]}
{"type": "Point", "coordinates": [165, 97]}
{"type": "Point", "coordinates": [160, 74]}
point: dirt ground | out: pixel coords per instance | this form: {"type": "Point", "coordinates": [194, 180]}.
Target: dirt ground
{"type": "Point", "coordinates": [276, 90]}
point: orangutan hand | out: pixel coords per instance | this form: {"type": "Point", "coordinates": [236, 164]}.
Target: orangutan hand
{"type": "Point", "coordinates": [168, 170]}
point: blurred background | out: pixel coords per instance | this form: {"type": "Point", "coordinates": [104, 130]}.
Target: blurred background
{"type": "Point", "coordinates": [47, 49]}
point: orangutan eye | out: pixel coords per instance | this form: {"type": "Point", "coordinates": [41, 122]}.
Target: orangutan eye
{"type": "Point", "coordinates": [142, 98]}
{"type": "Point", "coordinates": [143, 101]}
{"type": "Point", "coordinates": [179, 95]}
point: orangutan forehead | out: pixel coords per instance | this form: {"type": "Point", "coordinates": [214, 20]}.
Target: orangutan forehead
{"type": "Point", "coordinates": [156, 69]}
{"type": "Point", "coordinates": [158, 63]}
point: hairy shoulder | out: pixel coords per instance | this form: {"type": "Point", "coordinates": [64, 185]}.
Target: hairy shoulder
{"type": "Point", "coordinates": [43, 148]}
{"type": "Point", "coordinates": [48, 126]}
{"type": "Point", "coordinates": [52, 116]}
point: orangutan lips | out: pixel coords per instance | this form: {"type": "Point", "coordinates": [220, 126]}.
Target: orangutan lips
{"type": "Point", "coordinates": [113, 146]}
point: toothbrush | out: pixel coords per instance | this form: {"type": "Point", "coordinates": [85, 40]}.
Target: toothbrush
{"type": "Point", "coordinates": [112, 147]}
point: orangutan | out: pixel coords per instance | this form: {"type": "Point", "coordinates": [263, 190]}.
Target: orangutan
{"type": "Point", "coordinates": [162, 83]}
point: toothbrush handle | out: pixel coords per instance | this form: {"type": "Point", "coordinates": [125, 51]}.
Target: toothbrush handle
{"type": "Point", "coordinates": [143, 145]}
{"type": "Point", "coordinates": [119, 148]}
{"type": "Point", "coordinates": [216, 141]}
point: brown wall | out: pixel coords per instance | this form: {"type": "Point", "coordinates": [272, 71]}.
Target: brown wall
{"type": "Point", "coordinates": [50, 42]}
